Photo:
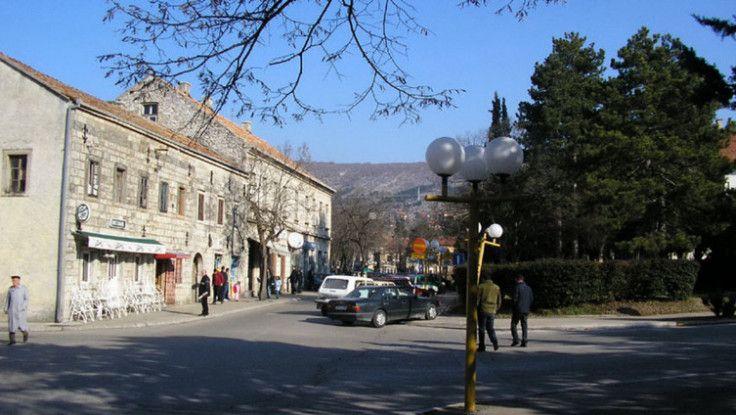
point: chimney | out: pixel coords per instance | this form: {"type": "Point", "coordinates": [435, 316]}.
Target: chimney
{"type": "Point", "coordinates": [247, 126]}
{"type": "Point", "coordinates": [184, 88]}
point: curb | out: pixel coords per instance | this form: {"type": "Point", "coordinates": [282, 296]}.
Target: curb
{"type": "Point", "coordinates": [58, 327]}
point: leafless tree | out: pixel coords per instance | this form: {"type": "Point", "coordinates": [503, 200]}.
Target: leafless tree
{"type": "Point", "coordinates": [358, 228]}
{"type": "Point", "coordinates": [233, 48]}
{"type": "Point", "coordinates": [272, 202]}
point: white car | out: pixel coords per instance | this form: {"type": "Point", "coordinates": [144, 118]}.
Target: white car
{"type": "Point", "coordinates": [337, 286]}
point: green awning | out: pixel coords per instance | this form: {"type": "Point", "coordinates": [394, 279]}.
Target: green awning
{"type": "Point", "coordinates": [122, 243]}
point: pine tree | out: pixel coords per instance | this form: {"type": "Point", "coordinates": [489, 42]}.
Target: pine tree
{"type": "Point", "coordinates": [505, 121]}
{"type": "Point", "coordinates": [495, 129]}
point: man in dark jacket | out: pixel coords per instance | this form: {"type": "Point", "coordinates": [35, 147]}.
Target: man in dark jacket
{"type": "Point", "coordinates": [203, 291]}
{"type": "Point", "coordinates": [489, 301]}
{"type": "Point", "coordinates": [523, 298]}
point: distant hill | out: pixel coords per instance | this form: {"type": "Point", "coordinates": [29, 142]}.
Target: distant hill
{"type": "Point", "coordinates": [399, 180]}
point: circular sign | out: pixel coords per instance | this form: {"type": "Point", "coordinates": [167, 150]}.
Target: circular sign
{"type": "Point", "coordinates": [295, 240]}
{"type": "Point", "coordinates": [419, 246]}
{"type": "Point", "coordinates": [83, 212]}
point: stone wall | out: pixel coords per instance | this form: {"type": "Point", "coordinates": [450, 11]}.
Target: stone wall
{"type": "Point", "coordinates": [32, 120]}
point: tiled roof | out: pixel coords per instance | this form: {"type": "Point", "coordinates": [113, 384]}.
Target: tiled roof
{"type": "Point", "coordinates": [113, 110]}
{"type": "Point", "coordinates": [258, 143]}
{"type": "Point", "coordinates": [729, 151]}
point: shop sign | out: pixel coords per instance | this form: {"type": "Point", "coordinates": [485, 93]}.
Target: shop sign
{"type": "Point", "coordinates": [117, 223]}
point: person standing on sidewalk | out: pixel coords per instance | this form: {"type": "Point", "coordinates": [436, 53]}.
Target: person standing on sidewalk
{"type": "Point", "coordinates": [277, 286]}
{"type": "Point", "coordinates": [16, 305]}
{"type": "Point", "coordinates": [217, 281]}
{"type": "Point", "coordinates": [203, 291]}
{"type": "Point", "coordinates": [226, 284]}
{"type": "Point", "coordinates": [489, 301]}
{"type": "Point", "coordinates": [523, 298]}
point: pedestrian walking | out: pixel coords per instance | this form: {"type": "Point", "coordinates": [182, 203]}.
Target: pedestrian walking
{"type": "Point", "coordinates": [16, 306]}
{"type": "Point", "coordinates": [236, 291]}
{"type": "Point", "coordinates": [523, 298]}
{"type": "Point", "coordinates": [217, 281]}
{"type": "Point", "coordinates": [203, 291]}
{"type": "Point", "coordinates": [489, 301]}
{"type": "Point", "coordinates": [226, 284]}
{"type": "Point", "coordinates": [294, 278]}
{"type": "Point", "coordinates": [277, 286]}
{"type": "Point", "coordinates": [310, 280]}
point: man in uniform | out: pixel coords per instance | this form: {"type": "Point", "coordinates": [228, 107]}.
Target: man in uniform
{"type": "Point", "coordinates": [489, 301]}
{"type": "Point", "coordinates": [203, 291]}
{"type": "Point", "coordinates": [16, 304]}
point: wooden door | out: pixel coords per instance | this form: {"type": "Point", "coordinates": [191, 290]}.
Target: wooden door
{"type": "Point", "coordinates": [166, 280]}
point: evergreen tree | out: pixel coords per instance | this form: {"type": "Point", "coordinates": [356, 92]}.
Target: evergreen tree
{"type": "Point", "coordinates": [665, 143]}
{"type": "Point", "coordinates": [495, 129]}
{"type": "Point", "coordinates": [505, 121]}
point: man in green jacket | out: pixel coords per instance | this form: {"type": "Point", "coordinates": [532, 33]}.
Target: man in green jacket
{"type": "Point", "coordinates": [489, 301]}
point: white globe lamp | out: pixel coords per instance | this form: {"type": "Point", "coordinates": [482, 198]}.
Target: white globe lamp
{"type": "Point", "coordinates": [445, 156]}
{"type": "Point", "coordinates": [494, 231]}
{"type": "Point", "coordinates": [475, 168]}
{"type": "Point", "coordinates": [504, 156]}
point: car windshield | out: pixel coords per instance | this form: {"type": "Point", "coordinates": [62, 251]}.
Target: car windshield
{"type": "Point", "coordinates": [335, 283]}
{"type": "Point", "coordinates": [363, 292]}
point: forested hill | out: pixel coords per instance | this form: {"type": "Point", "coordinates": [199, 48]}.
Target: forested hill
{"type": "Point", "coordinates": [395, 179]}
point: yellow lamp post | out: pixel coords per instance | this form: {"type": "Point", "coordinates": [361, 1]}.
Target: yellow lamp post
{"type": "Point", "coordinates": [445, 157]}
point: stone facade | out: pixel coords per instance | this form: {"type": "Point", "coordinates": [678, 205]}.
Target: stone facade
{"type": "Point", "coordinates": [140, 181]}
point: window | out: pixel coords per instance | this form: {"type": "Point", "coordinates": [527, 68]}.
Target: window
{"type": "Point", "coordinates": [93, 178]}
{"type": "Point", "coordinates": [163, 198]}
{"type": "Point", "coordinates": [112, 266]}
{"type": "Point", "coordinates": [200, 206]}
{"type": "Point", "coordinates": [17, 174]}
{"type": "Point", "coordinates": [181, 201]}
{"type": "Point", "coordinates": [86, 266]}
{"type": "Point", "coordinates": [137, 272]}
{"type": "Point", "coordinates": [143, 192]}
{"type": "Point", "coordinates": [220, 211]}
{"type": "Point", "coordinates": [119, 193]}
{"type": "Point", "coordinates": [177, 270]}
{"type": "Point", "coordinates": [150, 111]}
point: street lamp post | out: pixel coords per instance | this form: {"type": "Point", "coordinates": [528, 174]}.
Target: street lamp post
{"type": "Point", "coordinates": [446, 157]}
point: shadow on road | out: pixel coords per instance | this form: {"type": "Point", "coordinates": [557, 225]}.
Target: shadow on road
{"type": "Point", "coordinates": [187, 374]}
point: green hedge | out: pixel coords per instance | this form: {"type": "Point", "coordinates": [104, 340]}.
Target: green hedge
{"type": "Point", "coordinates": [560, 283]}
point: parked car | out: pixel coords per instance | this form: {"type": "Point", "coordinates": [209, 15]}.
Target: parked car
{"type": "Point", "coordinates": [379, 305]}
{"type": "Point", "coordinates": [336, 286]}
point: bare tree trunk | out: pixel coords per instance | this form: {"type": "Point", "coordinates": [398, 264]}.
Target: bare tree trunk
{"type": "Point", "coordinates": [263, 272]}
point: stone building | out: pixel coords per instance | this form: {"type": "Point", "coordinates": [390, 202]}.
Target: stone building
{"type": "Point", "coordinates": [92, 192]}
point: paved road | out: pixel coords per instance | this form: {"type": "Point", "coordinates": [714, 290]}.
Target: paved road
{"type": "Point", "coordinates": [288, 359]}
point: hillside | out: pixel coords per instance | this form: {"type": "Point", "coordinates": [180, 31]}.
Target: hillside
{"type": "Point", "coordinates": [399, 180]}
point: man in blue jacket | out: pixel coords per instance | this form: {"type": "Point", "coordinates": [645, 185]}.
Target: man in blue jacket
{"type": "Point", "coordinates": [523, 298]}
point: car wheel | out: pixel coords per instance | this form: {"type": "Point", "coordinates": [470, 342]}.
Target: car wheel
{"type": "Point", "coordinates": [379, 319]}
{"type": "Point", "coordinates": [324, 310]}
{"type": "Point", "coordinates": [431, 313]}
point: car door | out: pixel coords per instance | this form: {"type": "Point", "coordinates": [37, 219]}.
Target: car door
{"type": "Point", "coordinates": [392, 304]}
{"type": "Point", "coordinates": [403, 304]}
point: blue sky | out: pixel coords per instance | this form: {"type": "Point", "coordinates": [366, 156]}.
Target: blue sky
{"type": "Point", "coordinates": [471, 49]}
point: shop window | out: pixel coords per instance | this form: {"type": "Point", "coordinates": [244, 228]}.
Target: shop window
{"type": "Point", "coordinates": [119, 193]}
{"type": "Point", "coordinates": [17, 174]}
{"type": "Point", "coordinates": [93, 178]}
{"type": "Point", "coordinates": [163, 197]}
{"type": "Point", "coordinates": [86, 266]}
{"type": "Point", "coordinates": [220, 211]}
{"type": "Point", "coordinates": [181, 201]}
{"type": "Point", "coordinates": [200, 206]}
{"type": "Point", "coordinates": [112, 266]}
{"type": "Point", "coordinates": [143, 192]}
{"type": "Point", "coordinates": [150, 111]}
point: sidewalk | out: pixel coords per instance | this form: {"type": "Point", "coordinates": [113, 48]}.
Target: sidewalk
{"type": "Point", "coordinates": [176, 314]}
